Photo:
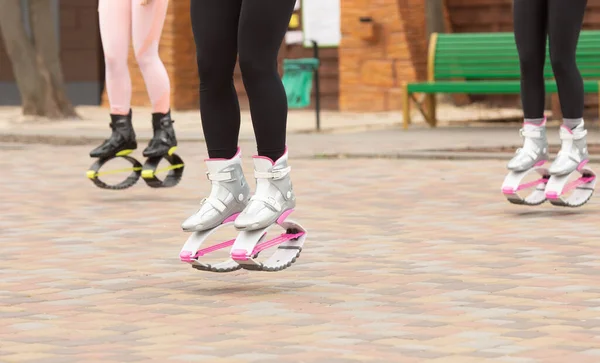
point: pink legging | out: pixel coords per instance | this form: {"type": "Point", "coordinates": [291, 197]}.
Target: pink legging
{"type": "Point", "coordinates": [119, 20]}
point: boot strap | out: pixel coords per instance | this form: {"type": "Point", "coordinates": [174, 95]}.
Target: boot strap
{"type": "Point", "coordinates": [270, 202]}
{"type": "Point", "coordinates": [275, 174]}
{"type": "Point", "coordinates": [215, 203]}
{"type": "Point", "coordinates": [220, 177]}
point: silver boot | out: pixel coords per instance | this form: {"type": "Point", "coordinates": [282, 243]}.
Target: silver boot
{"type": "Point", "coordinates": [534, 151]}
{"type": "Point", "coordinates": [229, 195]}
{"type": "Point", "coordinates": [573, 150]}
{"type": "Point", "coordinates": [274, 194]}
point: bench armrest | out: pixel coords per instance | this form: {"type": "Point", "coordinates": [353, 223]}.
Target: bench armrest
{"type": "Point", "coordinates": [431, 57]}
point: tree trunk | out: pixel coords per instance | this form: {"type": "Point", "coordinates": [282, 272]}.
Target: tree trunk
{"type": "Point", "coordinates": [36, 64]}
{"type": "Point", "coordinates": [21, 53]}
{"type": "Point", "coordinates": [48, 57]}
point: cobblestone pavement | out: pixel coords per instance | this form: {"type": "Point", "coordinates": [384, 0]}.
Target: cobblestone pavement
{"type": "Point", "coordinates": [406, 261]}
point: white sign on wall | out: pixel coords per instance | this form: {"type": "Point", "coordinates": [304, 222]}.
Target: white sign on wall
{"type": "Point", "coordinates": [321, 22]}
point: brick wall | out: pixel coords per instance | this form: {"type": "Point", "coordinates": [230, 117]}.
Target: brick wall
{"type": "Point", "coordinates": [376, 58]}
{"type": "Point", "coordinates": [178, 52]}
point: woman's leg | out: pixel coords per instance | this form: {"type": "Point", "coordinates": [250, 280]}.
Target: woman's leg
{"type": "Point", "coordinates": [565, 20]}
{"type": "Point", "coordinates": [530, 36]}
{"type": "Point", "coordinates": [215, 27]}
{"type": "Point", "coordinates": [263, 24]}
{"type": "Point", "coordinates": [148, 21]}
{"type": "Point", "coordinates": [147, 25]}
{"type": "Point", "coordinates": [115, 32]}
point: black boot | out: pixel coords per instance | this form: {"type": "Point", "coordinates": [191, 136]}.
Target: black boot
{"type": "Point", "coordinates": [164, 135]}
{"type": "Point", "coordinates": [121, 139]}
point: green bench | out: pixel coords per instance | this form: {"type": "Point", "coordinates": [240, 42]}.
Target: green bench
{"type": "Point", "coordinates": [486, 63]}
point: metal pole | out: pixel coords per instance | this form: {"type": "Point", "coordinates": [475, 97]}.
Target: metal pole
{"type": "Point", "coordinates": [317, 85]}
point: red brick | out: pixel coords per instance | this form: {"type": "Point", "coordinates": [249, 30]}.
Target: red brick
{"type": "Point", "coordinates": [378, 73]}
{"type": "Point", "coordinates": [370, 70]}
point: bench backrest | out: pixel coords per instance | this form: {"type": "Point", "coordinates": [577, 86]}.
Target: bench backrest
{"type": "Point", "coordinates": [471, 56]}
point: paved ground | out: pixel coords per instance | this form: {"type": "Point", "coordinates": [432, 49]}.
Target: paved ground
{"type": "Point", "coordinates": [343, 134]}
{"type": "Point", "coordinates": [407, 261]}
{"type": "Point", "coordinates": [94, 122]}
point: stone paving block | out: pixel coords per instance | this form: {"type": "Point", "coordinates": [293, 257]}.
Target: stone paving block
{"type": "Point", "coordinates": [431, 265]}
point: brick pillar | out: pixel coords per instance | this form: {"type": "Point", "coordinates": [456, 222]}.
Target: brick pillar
{"type": "Point", "coordinates": [376, 57]}
{"type": "Point", "coordinates": [178, 53]}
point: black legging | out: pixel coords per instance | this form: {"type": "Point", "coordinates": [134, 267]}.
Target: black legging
{"type": "Point", "coordinates": [255, 29]}
{"type": "Point", "coordinates": [561, 21]}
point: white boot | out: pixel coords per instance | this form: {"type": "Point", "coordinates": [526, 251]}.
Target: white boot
{"type": "Point", "coordinates": [229, 195]}
{"type": "Point", "coordinates": [573, 151]}
{"type": "Point", "coordinates": [274, 194]}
